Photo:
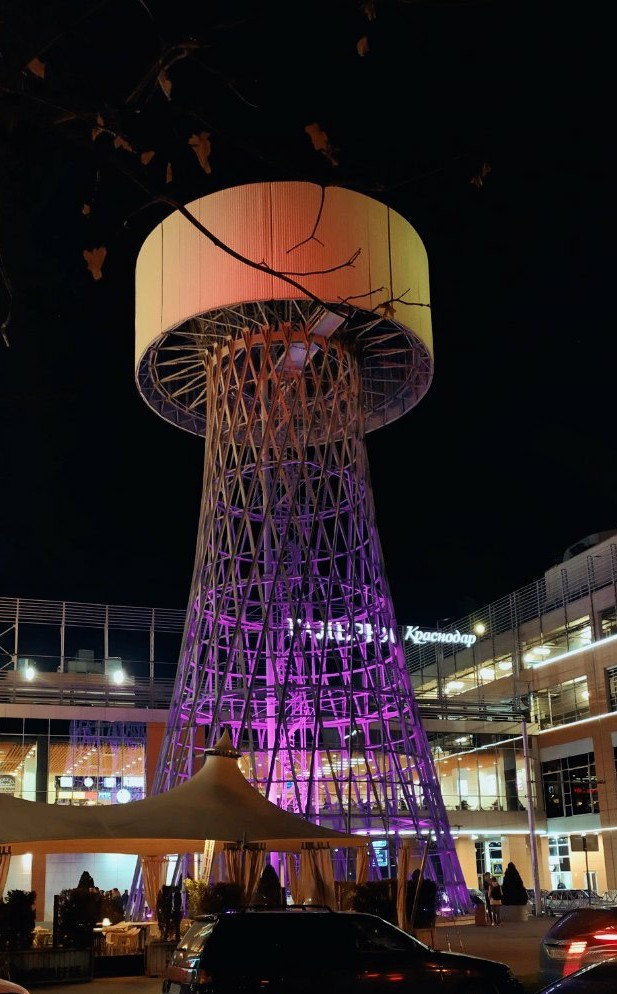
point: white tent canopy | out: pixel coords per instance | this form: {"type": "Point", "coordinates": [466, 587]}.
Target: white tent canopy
{"type": "Point", "coordinates": [217, 803]}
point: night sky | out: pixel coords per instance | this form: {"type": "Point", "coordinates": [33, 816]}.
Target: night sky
{"type": "Point", "coordinates": [511, 456]}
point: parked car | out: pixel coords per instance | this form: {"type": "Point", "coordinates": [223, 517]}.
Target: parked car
{"type": "Point", "coordinates": [6, 987]}
{"type": "Point", "coordinates": [599, 978]}
{"type": "Point", "coordinates": [559, 901]}
{"type": "Point", "coordinates": [580, 938]}
{"type": "Point", "coordinates": [293, 950]}
{"type": "Point", "coordinates": [531, 900]}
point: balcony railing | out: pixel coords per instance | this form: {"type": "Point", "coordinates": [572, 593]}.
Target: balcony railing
{"type": "Point", "coordinates": [70, 689]}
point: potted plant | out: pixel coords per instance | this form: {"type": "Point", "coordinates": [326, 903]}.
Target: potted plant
{"type": "Point", "coordinates": [169, 912]}
{"type": "Point", "coordinates": [422, 910]}
{"type": "Point", "coordinates": [76, 912]}
{"type": "Point", "coordinates": [204, 898]}
{"type": "Point", "coordinates": [376, 897]}
{"type": "Point", "coordinates": [514, 907]}
{"type": "Point", "coordinates": [17, 919]}
{"type": "Point", "coordinates": [168, 918]}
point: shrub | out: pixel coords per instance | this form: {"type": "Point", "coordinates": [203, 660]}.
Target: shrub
{"type": "Point", "coordinates": [76, 912]}
{"type": "Point", "coordinates": [195, 896]}
{"type": "Point", "coordinates": [377, 897]}
{"type": "Point", "coordinates": [204, 899]}
{"type": "Point", "coordinates": [426, 905]}
{"type": "Point", "coordinates": [17, 920]}
{"type": "Point", "coordinates": [513, 888]}
{"type": "Point", "coordinates": [169, 912]}
{"type": "Point", "coordinates": [345, 891]}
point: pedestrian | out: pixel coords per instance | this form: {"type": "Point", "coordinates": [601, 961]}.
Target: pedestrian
{"type": "Point", "coordinates": [115, 898]}
{"type": "Point", "coordinates": [496, 898]}
{"type": "Point", "coordinates": [486, 886]}
{"type": "Point", "coordinates": [125, 900]}
{"type": "Point", "coordinates": [86, 881]}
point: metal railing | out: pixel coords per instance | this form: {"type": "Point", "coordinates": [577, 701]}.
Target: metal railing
{"type": "Point", "coordinates": [544, 601]}
{"type": "Point", "coordinates": [67, 689]}
{"type": "Point", "coordinates": [83, 615]}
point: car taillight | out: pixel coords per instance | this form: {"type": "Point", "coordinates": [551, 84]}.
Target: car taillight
{"type": "Point", "coordinates": [574, 955]}
{"type": "Point", "coordinates": [608, 936]}
{"type": "Point", "coordinates": [392, 977]}
{"type": "Point", "coordinates": [576, 948]}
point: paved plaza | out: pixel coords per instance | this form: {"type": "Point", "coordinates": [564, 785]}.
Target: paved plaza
{"type": "Point", "coordinates": [514, 943]}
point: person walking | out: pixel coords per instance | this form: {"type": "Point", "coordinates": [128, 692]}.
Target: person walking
{"type": "Point", "coordinates": [486, 886]}
{"type": "Point", "coordinates": [496, 899]}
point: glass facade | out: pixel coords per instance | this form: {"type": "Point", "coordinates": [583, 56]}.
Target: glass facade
{"type": "Point", "coordinates": [480, 773]}
{"type": "Point", "coordinates": [448, 672]}
{"type": "Point", "coordinates": [559, 705]}
{"type": "Point", "coordinates": [570, 786]}
{"type": "Point", "coordinates": [75, 763]}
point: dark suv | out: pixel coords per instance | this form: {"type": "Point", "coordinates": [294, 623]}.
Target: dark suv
{"type": "Point", "coordinates": [297, 951]}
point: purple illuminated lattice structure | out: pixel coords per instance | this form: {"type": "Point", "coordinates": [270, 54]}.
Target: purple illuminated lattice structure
{"type": "Point", "coordinates": [290, 640]}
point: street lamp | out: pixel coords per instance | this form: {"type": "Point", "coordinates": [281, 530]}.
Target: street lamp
{"type": "Point", "coordinates": [531, 816]}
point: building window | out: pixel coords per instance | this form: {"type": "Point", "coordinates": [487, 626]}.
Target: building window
{"type": "Point", "coordinates": [612, 687]}
{"type": "Point", "coordinates": [101, 763]}
{"type": "Point", "coordinates": [562, 704]}
{"type": "Point", "coordinates": [615, 756]}
{"type": "Point", "coordinates": [608, 622]}
{"type": "Point", "coordinates": [489, 857]}
{"type": "Point", "coordinates": [480, 860]}
{"type": "Point", "coordinates": [18, 765]}
{"type": "Point", "coordinates": [559, 860]}
{"type": "Point", "coordinates": [570, 786]}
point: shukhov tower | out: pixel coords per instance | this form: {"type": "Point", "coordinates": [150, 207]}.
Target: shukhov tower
{"type": "Point", "coordinates": [282, 322]}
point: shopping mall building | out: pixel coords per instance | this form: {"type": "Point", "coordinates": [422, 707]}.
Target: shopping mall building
{"type": "Point", "coordinates": [519, 701]}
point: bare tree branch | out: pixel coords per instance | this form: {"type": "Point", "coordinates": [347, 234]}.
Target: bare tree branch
{"type": "Point", "coordinates": [312, 236]}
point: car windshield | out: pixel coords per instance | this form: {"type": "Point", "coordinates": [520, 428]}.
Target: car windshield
{"type": "Point", "coordinates": [196, 935]}
{"type": "Point", "coordinates": [374, 935]}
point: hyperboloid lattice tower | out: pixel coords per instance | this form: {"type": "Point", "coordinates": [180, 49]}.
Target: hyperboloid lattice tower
{"type": "Point", "coordinates": [283, 363]}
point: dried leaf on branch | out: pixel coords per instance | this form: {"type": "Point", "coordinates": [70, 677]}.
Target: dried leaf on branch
{"type": "Point", "coordinates": [478, 179]}
{"type": "Point", "coordinates": [368, 9]}
{"type": "Point", "coordinates": [147, 157]}
{"type": "Point", "coordinates": [321, 142]}
{"type": "Point", "coordinates": [362, 46]}
{"type": "Point", "coordinates": [94, 261]}
{"type": "Point", "coordinates": [100, 127]}
{"type": "Point", "coordinates": [120, 142]}
{"type": "Point", "coordinates": [388, 309]}
{"type": "Point", "coordinates": [201, 146]}
{"type": "Point", "coordinates": [169, 173]}
{"type": "Point", "coordinates": [164, 83]}
{"type": "Point", "coordinates": [85, 209]}
{"type": "Point", "coordinates": [37, 68]}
